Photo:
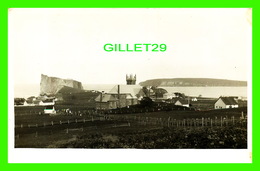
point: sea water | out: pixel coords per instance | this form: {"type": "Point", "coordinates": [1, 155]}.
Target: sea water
{"type": "Point", "coordinates": [25, 91]}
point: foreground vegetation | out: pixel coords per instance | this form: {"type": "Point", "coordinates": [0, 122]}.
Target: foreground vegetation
{"type": "Point", "coordinates": [140, 137]}
{"type": "Point", "coordinates": [164, 138]}
{"type": "Point", "coordinates": [83, 128]}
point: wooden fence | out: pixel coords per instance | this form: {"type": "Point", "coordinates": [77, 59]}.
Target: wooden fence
{"type": "Point", "coordinates": [171, 122]}
{"type": "Point", "coordinates": [166, 122]}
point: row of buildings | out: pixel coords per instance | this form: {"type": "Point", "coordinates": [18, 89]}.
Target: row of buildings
{"type": "Point", "coordinates": [131, 94]}
{"type": "Point", "coordinates": [127, 95]}
{"type": "Point", "coordinates": [121, 96]}
{"type": "Point", "coordinates": [33, 101]}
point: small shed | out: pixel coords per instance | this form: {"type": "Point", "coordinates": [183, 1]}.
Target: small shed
{"type": "Point", "coordinates": [49, 110]}
{"type": "Point", "coordinates": [182, 102]}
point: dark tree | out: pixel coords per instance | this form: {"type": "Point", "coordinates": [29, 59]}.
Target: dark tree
{"type": "Point", "coordinates": [179, 95]}
{"type": "Point", "coordinates": [146, 102]}
{"type": "Point", "coordinates": [19, 101]}
{"type": "Point", "coordinates": [146, 91]}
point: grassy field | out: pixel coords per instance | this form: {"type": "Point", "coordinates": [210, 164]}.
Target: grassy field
{"type": "Point", "coordinates": [184, 114]}
{"type": "Point", "coordinates": [86, 128]}
{"type": "Point", "coordinates": [50, 136]}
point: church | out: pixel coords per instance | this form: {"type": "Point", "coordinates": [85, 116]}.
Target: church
{"type": "Point", "coordinates": [121, 95]}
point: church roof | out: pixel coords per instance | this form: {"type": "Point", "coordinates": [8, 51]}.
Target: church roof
{"type": "Point", "coordinates": [106, 98]}
{"type": "Point", "coordinates": [127, 89]}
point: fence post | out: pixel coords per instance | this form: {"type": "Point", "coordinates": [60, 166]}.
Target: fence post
{"type": "Point", "coordinates": [36, 134]}
{"type": "Point", "coordinates": [226, 121]}
{"type": "Point", "coordinates": [202, 121]}
{"type": "Point", "coordinates": [21, 125]}
{"type": "Point", "coordinates": [221, 121]}
{"type": "Point", "coordinates": [60, 123]}
{"type": "Point", "coordinates": [233, 120]}
{"type": "Point", "coordinates": [52, 123]}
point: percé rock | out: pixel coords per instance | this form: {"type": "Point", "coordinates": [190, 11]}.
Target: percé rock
{"type": "Point", "coordinates": [51, 85]}
{"type": "Point", "coordinates": [189, 82]}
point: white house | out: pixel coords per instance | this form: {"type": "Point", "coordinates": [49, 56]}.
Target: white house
{"type": "Point", "coordinates": [194, 99]}
{"type": "Point", "coordinates": [49, 110]}
{"type": "Point", "coordinates": [226, 102]}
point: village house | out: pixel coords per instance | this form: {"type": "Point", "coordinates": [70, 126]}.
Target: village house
{"type": "Point", "coordinates": [182, 102]}
{"type": "Point", "coordinates": [226, 102]}
{"type": "Point", "coordinates": [106, 101]}
{"type": "Point", "coordinates": [28, 103]}
{"type": "Point", "coordinates": [194, 99]}
{"type": "Point", "coordinates": [113, 101]}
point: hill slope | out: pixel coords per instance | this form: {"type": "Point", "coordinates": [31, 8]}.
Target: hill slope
{"type": "Point", "coordinates": [198, 82]}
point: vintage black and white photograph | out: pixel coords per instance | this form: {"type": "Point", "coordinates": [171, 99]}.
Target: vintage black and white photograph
{"type": "Point", "coordinates": [126, 78]}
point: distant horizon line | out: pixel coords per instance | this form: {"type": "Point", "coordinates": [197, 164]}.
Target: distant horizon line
{"type": "Point", "coordinates": [142, 81]}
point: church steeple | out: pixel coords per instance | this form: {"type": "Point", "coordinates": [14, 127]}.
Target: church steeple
{"type": "Point", "coordinates": [130, 80]}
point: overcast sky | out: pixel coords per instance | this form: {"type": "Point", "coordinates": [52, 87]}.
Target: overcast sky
{"type": "Point", "coordinates": [68, 43]}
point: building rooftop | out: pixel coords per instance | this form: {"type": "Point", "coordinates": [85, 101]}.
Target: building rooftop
{"type": "Point", "coordinates": [229, 100]}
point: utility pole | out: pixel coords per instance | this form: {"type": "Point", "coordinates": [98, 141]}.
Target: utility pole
{"type": "Point", "coordinates": [118, 92]}
{"type": "Point", "coordinates": [101, 94]}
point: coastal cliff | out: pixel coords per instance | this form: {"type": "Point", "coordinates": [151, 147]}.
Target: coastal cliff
{"type": "Point", "coordinates": [51, 85]}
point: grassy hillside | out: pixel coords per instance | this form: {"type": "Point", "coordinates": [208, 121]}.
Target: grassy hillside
{"type": "Point", "coordinates": [192, 82]}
